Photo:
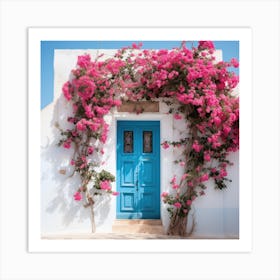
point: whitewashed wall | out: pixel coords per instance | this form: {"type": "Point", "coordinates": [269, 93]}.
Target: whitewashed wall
{"type": "Point", "coordinates": [216, 214]}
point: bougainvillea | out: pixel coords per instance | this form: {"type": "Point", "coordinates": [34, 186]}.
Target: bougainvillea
{"type": "Point", "coordinates": [194, 85]}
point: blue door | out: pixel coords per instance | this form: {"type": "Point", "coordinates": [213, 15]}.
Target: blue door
{"type": "Point", "coordinates": [138, 169]}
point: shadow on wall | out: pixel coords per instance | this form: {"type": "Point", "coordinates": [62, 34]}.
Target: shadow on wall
{"type": "Point", "coordinates": [59, 183]}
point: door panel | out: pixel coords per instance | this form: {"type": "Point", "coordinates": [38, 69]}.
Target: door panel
{"type": "Point", "coordinates": [138, 169]}
{"type": "Point", "coordinates": [127, 201]}
{"type": "Point", "coordinates": [128, 173]}
{"type": "Point", "coordinates": [147, 173]}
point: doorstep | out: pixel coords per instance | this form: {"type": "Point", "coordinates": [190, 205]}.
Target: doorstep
{"type": "Point", "coordinates": [129, 226]}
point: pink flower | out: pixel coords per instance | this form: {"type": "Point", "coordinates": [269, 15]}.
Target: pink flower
{"type": "Point", "coordinates": [175, 186]}
{"type": "Point", "coordinates": [190, 184]}
{"type": "Point", "coordinates": [223, 173]}
{"type": "Point", "coordinates": [83, 165]}
{"type": "Point", "coordinates": [90, 150]}
{"type": "Point", "coordinates": [76, 72]}
{"type": "Point", "coordinates": [196, 146]}
{"type": "Point", "coordinates": [88, 112]}
{"type": "Point", "coordinates": [105, 185]}
{"type": "Point", "coordinates": [234, 62]}
{"type": "Point", "coordinates": [217, 121]}
{"type": "Point", "coordinates": [72, 162]}
{"type": "Point", "coordinates": [137, 46]}
{"type": "Point", "coordinates": [177, 117]}
{"type": "Point", "coordinates": [184, 176]}
{"type": "Point", "coordinates": [232, 117]}
{"type": "Point", "coordinates": [189, 202]}
{"type": "Point", "coordinates": [85, 87]}
{"type": "Point", "coordinates": [177, 205]}
{"type": "Point", "coordinates": [101, 110]}
{"type": "Point", "coordinates": [70, 119]}
{"type": "Point", "coordinates": [67, 144]}
{"type": "Point", "coordinates": [164, 194]}
{"type": "Point", "coordinates": [165, 145]}
{"type": "Point", "coordinates": [74, 133]}
{"type": "Point", "coordinates": [103, 137]}
{"type": "Point", "coordinates": [213, 170]}
{"type": "Point", "coordinates": [182, 163]}
{"type": "Point", "coordinates": [223, 165]}
{"type": "Point", "coordinates": [117, 103]}
{"type": "Point", "coordinates": [84, 162]}
{"type": "Point", "coordinates": [221, 85]}
{"type": "Point", "coordinates": [94, 126]}
{"type": "Point", "coordinates": [173, 181]}
{"type": "Point", "coordinates": [173, 74]}
{"type": "Point", "coordinates": [214, 140]}
{"type": "Point", "coordinates": [204, 177]}
{"type": "Point", "coordinates": [206, 45]}
{"type": "Point", "coordinates": [115, 193]}
{"type": "Point", "coordinates": [158, 83]}
{"type": "Point", "coordinates": [77, 196]}
{"type": "Point", "coordinates": [84, 60]}
{"type": "Point", "coordinates": [207, 156]}
{"type": "Point", "coordinates": [226, 130]}
{"type": "Point", "coordinates": [81, 125]}
{"type": "Point", "coordinates": [67, 90]}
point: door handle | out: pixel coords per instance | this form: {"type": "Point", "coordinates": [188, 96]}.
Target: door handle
{"type": "Point", "coordinates": [136, 174]}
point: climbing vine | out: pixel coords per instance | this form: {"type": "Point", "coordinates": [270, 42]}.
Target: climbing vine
{"type": "Point", "coordinates": [195, 87]}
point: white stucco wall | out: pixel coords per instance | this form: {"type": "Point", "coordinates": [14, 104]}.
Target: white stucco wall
{"type": "Point", "coordinates": [216, 214]}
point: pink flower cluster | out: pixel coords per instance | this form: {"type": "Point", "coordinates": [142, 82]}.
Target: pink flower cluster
{"type": "Point", "coordinates": [190, 77]}
{"type": "Point", "coordinates": [105, 185]}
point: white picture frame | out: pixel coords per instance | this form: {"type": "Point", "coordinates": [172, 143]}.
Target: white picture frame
{"type": "Point", "coordinates": [261, 261]}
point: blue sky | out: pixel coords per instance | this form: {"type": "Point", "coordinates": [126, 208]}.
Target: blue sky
{"type": "Point", "coordinates": [230, 50]}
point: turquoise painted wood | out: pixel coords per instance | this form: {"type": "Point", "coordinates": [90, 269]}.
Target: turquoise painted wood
{"type": "Point", "coordinates": [138, 169]}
